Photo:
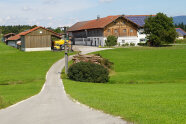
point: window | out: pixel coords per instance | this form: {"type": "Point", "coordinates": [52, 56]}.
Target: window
{"type": "Point", "coordinates": [131, 30]}
{"type": "Point", "coordinates": [123, 22]}
{"type": "Point", "coordinates": [123, 41]}
{"type": "Point", "coordinates": [124, 30]}
{"type": "Point", "coordinates": [141, 32]}
{"type": "Point", "coordinates": [142, 40]}
{"type": "Point", "coordinates": [108, 30]}
{"type": "Point", "coordinates": [116, 30]}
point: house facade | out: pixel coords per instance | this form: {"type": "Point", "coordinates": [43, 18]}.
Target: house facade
{"type": "Point", "coordinates": [181, 34]}
{"type": "Point", "coordinates": [128, 29]}
{"type": "Point", "coordinates": [36, 39]}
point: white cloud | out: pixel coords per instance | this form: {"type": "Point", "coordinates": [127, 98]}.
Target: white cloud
{"type": "Point", "coordinates": [106, 1]}
{"type": "Point", "coordinates": [26, 8]}
{"type": "Point", "coordinates": [42, 12]}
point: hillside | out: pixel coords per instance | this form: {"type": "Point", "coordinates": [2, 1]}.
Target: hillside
{"type": "Point", "coordinates": [179, 19]}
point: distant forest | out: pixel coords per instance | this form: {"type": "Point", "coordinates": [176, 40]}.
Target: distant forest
{"type": "Point", "coordinates": [20, 28]}
{"type": "Point", "coordinates": [181, 25]}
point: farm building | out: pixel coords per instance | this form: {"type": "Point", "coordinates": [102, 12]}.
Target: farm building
{"type": "Point", "coordinates": [128, 29]}
{"type": "Point", "coordinates": [181, 33]}
{"type": "Point", "coordinates": [6, 36]}
{"type": "Point", "coordinates": [36, 39]}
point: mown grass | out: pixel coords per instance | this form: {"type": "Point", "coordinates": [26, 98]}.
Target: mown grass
{"type": "Point", "coordinates": [148, 86]}
{"type": "Point", "coordinates": [181, 41]}
{"type": "Point", "coordinates": [22, 74]}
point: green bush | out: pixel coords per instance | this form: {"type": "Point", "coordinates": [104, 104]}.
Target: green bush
{"type": "Point", "coordinates": [88, 72]}
{"type": "Point", "coordinates": [132, 44]}
{"type": "Point", "coordinates": [142, 44]}
{"type": "Point", "coordinates": [126, 44]}
{"type": "Point", "coordinates": [111, 41]}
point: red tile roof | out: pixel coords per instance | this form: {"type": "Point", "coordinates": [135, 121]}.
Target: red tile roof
{"type": "Point", "coordinates": [18, 36]}
{"type": "Point", "coordinates": [102, 22]}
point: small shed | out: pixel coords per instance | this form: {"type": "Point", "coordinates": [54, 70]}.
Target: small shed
{"type": "Point", "coordinates": [181, 33]}
{"type": "Point", "coordinates": [36, 39]}
{"type": "Point", "coordinates": [12, 41]}
{"type": "Point", "coordinates": [6, 36]}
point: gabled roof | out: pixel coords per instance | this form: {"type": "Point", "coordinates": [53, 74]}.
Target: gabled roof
{"type": "Point", "coordinates": [18, 36]}
{"type": "Point", "coordinates": [9, 34]}
{"type": "Point", "coordinates": [180, 31]}
{"type": "Point", "coordinates": [77, 26]}
{"type": "Point", "coordinates": [138, 20]}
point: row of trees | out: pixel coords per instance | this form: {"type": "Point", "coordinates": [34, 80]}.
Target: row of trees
{"type": "Point", "coordinates": [20, 28]}
{"type": "Point", "coordinates": [181, 25]}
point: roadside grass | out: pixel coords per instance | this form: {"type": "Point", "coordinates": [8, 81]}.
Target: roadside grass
{"type": "Point", "coordinates": [180, 41]}
{"type": "Point", "coordinates": [148, 86]}
{"type": "Point", "coordinates": [22, 74]}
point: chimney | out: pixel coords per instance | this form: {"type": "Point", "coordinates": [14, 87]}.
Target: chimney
{"type": "Point", "coordinates": [98, 17]}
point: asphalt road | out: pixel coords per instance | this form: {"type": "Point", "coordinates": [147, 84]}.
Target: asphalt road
{"type": "Point", "coordinates": [53, 106]}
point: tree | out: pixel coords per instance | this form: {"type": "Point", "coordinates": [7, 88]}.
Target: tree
{"type": "Point", "coordinates": [111, 41]}
{"type": "Point", "coordinates": [160, 30]}
{"type": "Point", "coordinates": [58, 30]}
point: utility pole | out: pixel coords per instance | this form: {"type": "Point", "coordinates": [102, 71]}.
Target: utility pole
{"type": "Point", "coordinates": [66, 51]}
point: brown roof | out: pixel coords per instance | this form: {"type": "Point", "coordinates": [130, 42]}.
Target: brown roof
{"type": "Point", "coordinates": [77, 26]}
{"type": "Point", "coordinates": [97, 23]}
{"type": "Point", "coordinates": [18, 36]}
{"type": "Point", "coordinates": [9, 34]}
{"type": "Point", "coordinates": [102, 22]}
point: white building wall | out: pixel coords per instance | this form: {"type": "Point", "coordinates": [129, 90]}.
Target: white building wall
{"type": "Point", "coordinates": [36, 49]}
{"type": "Point", "coordinates": [124, 40]}
{"type": "Point", "coordinates": [97, 41]}
{"type": "Point", "coordinates": [180, 38]}
{"type": "Point", "coordinates": [141, 36]}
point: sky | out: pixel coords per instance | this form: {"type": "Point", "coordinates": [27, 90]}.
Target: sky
{"type": "Point", "coordinates": [58, 13]}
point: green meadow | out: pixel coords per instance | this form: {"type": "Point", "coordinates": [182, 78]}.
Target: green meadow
{"type": "Point", "coordinates": [22, 74]}
{"type": "Point", "coordinates": [147, 85]}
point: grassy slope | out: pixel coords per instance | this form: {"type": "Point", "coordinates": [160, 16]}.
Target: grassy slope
{"type": "Point", "coordinates": [22, 74]}
{"type": "Point", "coordinates": [148, 87]}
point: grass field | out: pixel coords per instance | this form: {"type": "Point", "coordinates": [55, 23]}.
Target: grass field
{"type": "Point", "coordinates": [148, 86]}
{"type": "Point", "coordinates": [22, 74]}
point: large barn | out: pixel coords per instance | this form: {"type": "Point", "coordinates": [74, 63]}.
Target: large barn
{"type": "Point", "coordinates": [36, 39]}
{"type": "Point", "coordinates": [128, 29]}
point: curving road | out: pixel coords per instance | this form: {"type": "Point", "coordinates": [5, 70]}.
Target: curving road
{"type": "Point", "coordinates": [52, 106]}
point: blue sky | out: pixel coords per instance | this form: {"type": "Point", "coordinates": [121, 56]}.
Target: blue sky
{"type": "Point", "coordinates": [56, 13]}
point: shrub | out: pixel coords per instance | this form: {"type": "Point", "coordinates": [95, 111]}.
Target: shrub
{"type": "Point", "coordinates": [88, 72]}
{"type": "Point", "coordinates": [132, 44]}
{"type": "Point", "coordinates": [142, 44]}
{"type": "Point", "coordinates": [111, 41]}
{"type": "Point", "coordinates": [126, 44]}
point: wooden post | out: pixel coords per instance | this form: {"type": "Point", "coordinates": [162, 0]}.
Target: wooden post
{"type": "Point", "coordinates": [66, 52]}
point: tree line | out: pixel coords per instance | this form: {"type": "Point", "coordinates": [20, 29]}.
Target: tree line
{"type": "Point", "coordinates": [20, 28]}
{"type": "Point", "coordinates": [181, 25]}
